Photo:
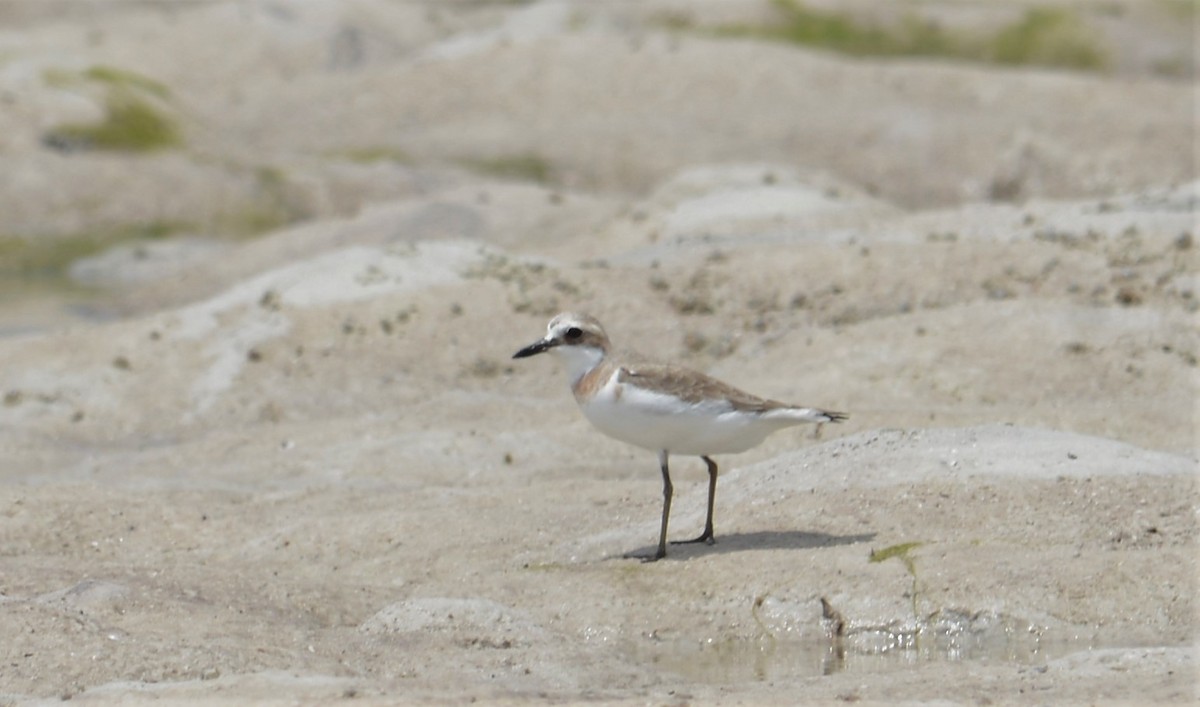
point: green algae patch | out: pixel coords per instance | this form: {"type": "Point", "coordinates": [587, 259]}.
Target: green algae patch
{"type": "Point", "coordinates": [1049, 37]}
{"type": "Point", "coordinates": [371, 155]}
{"type": "Point", "coordinates": [902, 552]}
{"type": "Point", "coordinates": [527, 167]}
{"type": "Point", "coordinates": [134, 117]}
{"type": "Point", "coordinates": [130, 124]}
{"type": "Point", "coordinates": [842, 33]}
{"type": "Point", "coordinates": [48, 257]}
{"type": "Point", "coordinates": [127, 79]}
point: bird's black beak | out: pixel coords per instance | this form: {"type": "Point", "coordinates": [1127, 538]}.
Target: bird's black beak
{"type": "Point", "coordinates": [535, 348]}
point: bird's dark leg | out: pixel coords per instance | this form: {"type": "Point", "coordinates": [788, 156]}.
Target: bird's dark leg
{"type": "Point", "coordinates": [668, 490]}
{"type": "Point", "coordinates": [707, 536]}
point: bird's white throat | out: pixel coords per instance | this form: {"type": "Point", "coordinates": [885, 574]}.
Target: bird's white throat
{"type": "Point", "coordinates": [579, 360]}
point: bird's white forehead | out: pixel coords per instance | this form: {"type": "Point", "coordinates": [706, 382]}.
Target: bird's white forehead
{"type": "Point", "coordinates": [566, 320]}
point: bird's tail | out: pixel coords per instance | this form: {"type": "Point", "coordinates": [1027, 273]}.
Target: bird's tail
{"type": "Point", "coordinates": [807, 415]}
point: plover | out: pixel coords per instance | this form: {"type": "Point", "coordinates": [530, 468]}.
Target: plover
{"type": "Point", "coordinates": [663, 408]}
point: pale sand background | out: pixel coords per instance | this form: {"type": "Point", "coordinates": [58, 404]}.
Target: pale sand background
{"type": "Point", "coordinates": [301, 466]}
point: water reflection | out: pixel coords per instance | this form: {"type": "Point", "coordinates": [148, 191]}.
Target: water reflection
{"type": "Point", "coordinates": [734, 661]}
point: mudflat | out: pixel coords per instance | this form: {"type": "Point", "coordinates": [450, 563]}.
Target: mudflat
{"type": "Point", "coordinates": [268, 443]}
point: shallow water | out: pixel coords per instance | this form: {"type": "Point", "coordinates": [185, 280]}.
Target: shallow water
{"type": "Point", "coordinates": [766, 659]}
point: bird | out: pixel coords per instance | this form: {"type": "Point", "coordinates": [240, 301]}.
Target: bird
{"type": "Point", "coordinates": [664, 408]}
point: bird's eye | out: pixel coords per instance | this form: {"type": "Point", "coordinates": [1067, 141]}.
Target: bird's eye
{"type": "Point", "coordinates": [574, 332]}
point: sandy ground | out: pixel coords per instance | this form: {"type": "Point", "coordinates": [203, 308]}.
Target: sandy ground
{"type": "Point", "coordinates": [302, 467]}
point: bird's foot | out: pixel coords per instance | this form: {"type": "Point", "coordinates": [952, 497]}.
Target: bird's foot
{"type": "Point", "coordinates": [707, 538]}
{"type": "Point", "coordinates": [645, 557]}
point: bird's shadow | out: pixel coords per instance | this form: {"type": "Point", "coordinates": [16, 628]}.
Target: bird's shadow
{"type": "Point", "coordinates": [741, 542]}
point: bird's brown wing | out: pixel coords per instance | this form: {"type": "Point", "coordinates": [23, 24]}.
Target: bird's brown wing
{"type": "Point", "coordinates": [694, 387]}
